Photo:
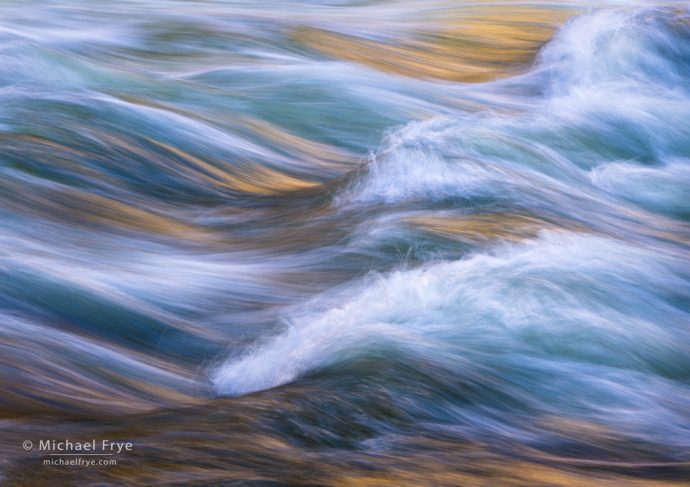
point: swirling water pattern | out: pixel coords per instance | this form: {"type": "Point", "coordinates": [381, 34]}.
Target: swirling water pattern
{"type": "Point", "coordinates": [386, 243]}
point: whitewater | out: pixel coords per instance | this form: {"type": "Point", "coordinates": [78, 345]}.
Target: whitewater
{"type": "Point", "coordinates": [234, 231]}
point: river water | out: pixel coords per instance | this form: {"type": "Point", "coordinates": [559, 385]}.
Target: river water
{"type": "Point", "coordinates": [347, 242]}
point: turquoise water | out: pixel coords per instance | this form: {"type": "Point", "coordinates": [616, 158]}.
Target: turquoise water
{"type": "Point", "coordinates": [195, 205]}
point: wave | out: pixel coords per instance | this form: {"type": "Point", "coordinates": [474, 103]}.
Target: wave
{"type": "Point", "coordinates": [553, 322]}
{"type": "Point", "coordinates": [589, 319]}
{"type": "Point", "coordinates": [574, 128]}
{"type": "Point", "coordinates": [312, 207]}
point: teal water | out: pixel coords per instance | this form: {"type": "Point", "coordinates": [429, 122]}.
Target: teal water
{"type": "Point", "coordinates": [196, 205]}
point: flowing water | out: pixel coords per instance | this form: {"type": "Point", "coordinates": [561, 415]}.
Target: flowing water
{"type": "Point", "coordinates": [386, 242]}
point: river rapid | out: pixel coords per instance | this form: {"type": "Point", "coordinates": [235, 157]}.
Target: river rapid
{"type": "Point", "coordinates": [347, 242]}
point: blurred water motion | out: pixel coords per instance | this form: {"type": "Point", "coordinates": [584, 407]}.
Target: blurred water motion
{"type": "Point", "coordinates": [347, 243]}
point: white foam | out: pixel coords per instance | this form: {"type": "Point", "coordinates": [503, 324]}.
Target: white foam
{"type": "Point", "coordinates": [552, 287]}
{"type": "Point", "coordinates": [613, 86]}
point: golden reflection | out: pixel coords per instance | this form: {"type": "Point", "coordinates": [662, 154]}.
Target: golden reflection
{"type": "Point", "coordinates": [472, 45]}
{"type": "Point", "coordinates": [479, 228]}
{"type": "Point", "coordinates": [237, 440]}
{"type": "Point", "coordinates": [245, 176]}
